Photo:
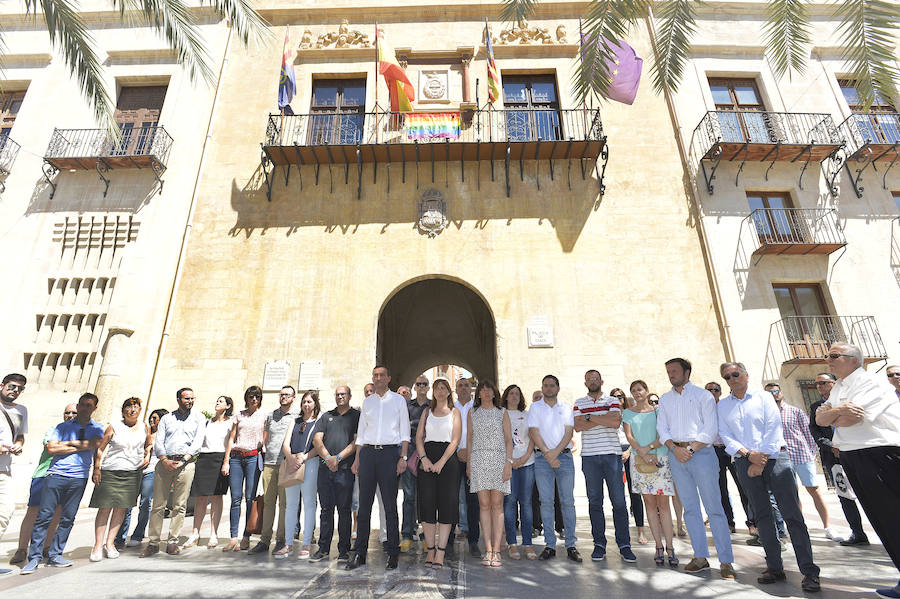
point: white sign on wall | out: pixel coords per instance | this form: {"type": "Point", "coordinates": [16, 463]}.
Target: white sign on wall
{"type": "Point", "coordinates": [276, 375]}
{"type": "Point", "coordinates": [310, 375]}
{"type": "Point", "coordinates": [540, 333]}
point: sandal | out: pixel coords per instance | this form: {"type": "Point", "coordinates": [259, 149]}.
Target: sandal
{"type": "Point", "coordinates": [529, 553]}
{"type": "Point", "coordinates": [673, 561]}
{"type": "Point", "coordinates": [486, 558]}
{"type": "Point", "coordinates": [428, 562]}
{"type": "Point", "coordinates": [435, 565]}
{"type": "Point", "coordinates": [514, 552]}
{"type": "Point", "coordinates": [495, 561]}
{"type": "Point", "coordinates": [245, 544]}
{"type": "Point", "coordinates": [660, 556]}
{"type": "Point", "coordinates": [233, 545]}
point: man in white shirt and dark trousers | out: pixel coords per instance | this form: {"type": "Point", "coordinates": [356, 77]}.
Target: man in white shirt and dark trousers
{"type": "Point", "coordinates": [750, 425]}
{"type": "Point", "coordinates": [551, 425]}
{"type": "Point", "coordinates": [688, 426]}
{"type": "Point", "coordinates": [597, 418]}
{"type": "Point", "coordinates": [865, 414]}
{"type": "Point", "coordinates": [382, 443]}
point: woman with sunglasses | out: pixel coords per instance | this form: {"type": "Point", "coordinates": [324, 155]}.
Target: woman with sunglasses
{"type": "Point", "coordinates": [637, 505]}
{"type": "Point", "coordinates": [650, 470]}
{"type": "Point", "coordinates": [241, 463]}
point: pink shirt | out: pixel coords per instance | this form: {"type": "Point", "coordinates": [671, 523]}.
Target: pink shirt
{"type": "Point", "coordinates": [250, 429]}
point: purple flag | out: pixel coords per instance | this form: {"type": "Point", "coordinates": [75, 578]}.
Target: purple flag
{"type": "Point", "coordinates": [624, 73]}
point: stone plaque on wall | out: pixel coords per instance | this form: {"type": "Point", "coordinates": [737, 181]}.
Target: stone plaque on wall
{"type": "Point", "coordinates": [434, 86]}
{"type": "Point", "coordinates": [310, 375]}
{"type": "Point", "coordinates": [276, 375]}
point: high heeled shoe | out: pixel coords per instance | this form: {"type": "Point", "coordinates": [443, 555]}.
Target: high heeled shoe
{"type": "Point", "coordinates": [437, 565]}
{"type": "Point", "coordinates": [673, 561]}
{"type": "Point", "coordinates": [660, 556]}
{"type": "Point", "coordinates": [429, 561]}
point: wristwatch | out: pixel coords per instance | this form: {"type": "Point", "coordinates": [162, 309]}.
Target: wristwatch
{"type": "Point", "coordinates": [587, 417]}
{"type": "Point", "coordinates": [690, 448]}
{"type": "Point", "coordinates": [509, 460]}
{"type": "Point", "coordinates": [403, 457]}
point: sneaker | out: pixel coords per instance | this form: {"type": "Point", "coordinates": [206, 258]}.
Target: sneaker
{"type": "Point", "coordinates": [5, 571]}
{"type": "Point", "coordinates": [343, 557]}
{"type": "Point", "coordinates": [60, 562]}
{"type": "Point", "coordinates": [727, 571]}
{"type": "Point", "coordinates": [599, 553]}
{"type": "Point", "coordinates": [132, 543]}
{"type": "Point", "coordinates": [282, 552]}
{"type": "Point", "coordinates": [259, 548]}
{"type": "Point", "coordinates": [754, 542]}
{"type": "Point", "coordinates": [830, 534]}
{"type": "Point", "coordinates": [31, 566]}
{"type": "Point", "coordinates": [627, 554]}
{"type": "Point", "coordinates": [319, 556]}
{"type": "Point", "coordinates": [697, 564]}
{"type": "Point", "coordinates": [573, 555]}
{"type": "Point", "coordinates": [406, 545]}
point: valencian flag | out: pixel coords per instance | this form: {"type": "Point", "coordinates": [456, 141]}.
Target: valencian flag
{"type": "Point", "coordinates": [492, 72]}
{"type": "Point", "coordinates": [624, 67]}
{"type": "Point", "coordinates": [399, 87]}
{"type": "Point", "coordinates": [287, 84]}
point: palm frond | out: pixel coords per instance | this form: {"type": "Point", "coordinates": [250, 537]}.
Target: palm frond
{"type": "Point", "coordinates": [514, 11]}
{"type": "Point", "coordinates": [69, 33]}
{"type": "Point", "coordinates": [786, 35]}
{"type": "Point", "coordinates": [244, 19]}
{"type": "Point", "coordinates": [867, 33]}
{"type": "Point", "coordinates": [606, 22]}
{"type": "Point", "coordinates": [676, 24]}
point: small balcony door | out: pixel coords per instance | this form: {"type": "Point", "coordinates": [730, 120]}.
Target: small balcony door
{"type": "Point", "coordinates": [532, 108]}
{"type": "Point", "coordinates": [740, 100]}
{"type": "Point", "coordinates": [137, 113]}
{"type": "Point", "coordinates": [809, 326]}
{"type": "Point", "coordinates": [337, 112]}
{"type": "Point", "coordinates": [775, 219]}
{"type": "Point", "coordinates": [878, 125]}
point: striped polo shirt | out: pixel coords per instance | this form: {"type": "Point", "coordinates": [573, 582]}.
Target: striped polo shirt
{"type": "Point", "coordinates": [599, 440]}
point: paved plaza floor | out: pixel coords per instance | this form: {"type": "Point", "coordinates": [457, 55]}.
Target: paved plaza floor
{"type": "Point", "coordinates": [847, 572]}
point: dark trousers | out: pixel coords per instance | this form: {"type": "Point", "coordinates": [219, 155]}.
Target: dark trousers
{"type": "Point", "coordinates": [851, 512]}
{"type": "Point", "coordinates": [874, 474]}
{"type": "Point", "coordinates": [473, 509]}
{"type": "Point", "coordinates": [637, 503]}
{"type": "Point", "coordinates": [727, 465]}
{"type": "Point", "coordinates": [335, 492]}
{"type": "Point", "coordinates": [778, 477]}
{"type": "Point", "coordinates": [378, 468]}
{"type": "Point", "coordinates": [61, 491]}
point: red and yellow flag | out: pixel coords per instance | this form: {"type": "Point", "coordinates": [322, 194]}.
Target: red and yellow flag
{"type": "Point", "coordinates": [400, 88]}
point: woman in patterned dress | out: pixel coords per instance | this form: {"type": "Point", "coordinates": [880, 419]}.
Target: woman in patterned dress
{"type": "Point", "coordinates": [490, 465]}
{"type": "Point", "coordinates": [657, 486]}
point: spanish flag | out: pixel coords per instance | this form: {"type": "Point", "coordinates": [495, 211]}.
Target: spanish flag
{"type": "Point", "coordinates": [400, 88]}
{"type": "Point", "coordinates": [493, 79]}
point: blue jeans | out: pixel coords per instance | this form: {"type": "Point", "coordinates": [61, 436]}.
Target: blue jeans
{"type": "Point", "coordinates": [143, 511]}
{"type": "Point", "coordinates": [292, 495]}
{"type": "Point", "coordinates": [778, 478]}
{"type": "Point", "coordinates": [564, 476]}
{"type": "Point", "coordinates": [698, 480]}
{"type": "Point", "coordinates": [606, 468]}
{"type": "Point", "coordinates": [243, 475]}
{"type": "Point", "coordinates": [408, 484]}
{"type": "Point", "coordinates": [518, 503]}
{"type": "Point", "coordinates": [61, 491]}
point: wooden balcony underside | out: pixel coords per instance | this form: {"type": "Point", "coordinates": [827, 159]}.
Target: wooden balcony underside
{"type": "Point", "coordinates": [799, 248]}
{"type": "Point", "coordinates": [115, 162]}
{"type": "Point", "coordinates": [762, 152]}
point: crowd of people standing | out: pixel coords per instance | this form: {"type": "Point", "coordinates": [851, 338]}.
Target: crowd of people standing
{"type": "Point", "coordinates": [471, 465]}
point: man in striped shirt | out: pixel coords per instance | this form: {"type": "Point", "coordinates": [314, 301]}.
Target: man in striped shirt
{"type": "Point", "coordinates": [597, 418]}
{"type": "Point", "coordinates": [802, 449]}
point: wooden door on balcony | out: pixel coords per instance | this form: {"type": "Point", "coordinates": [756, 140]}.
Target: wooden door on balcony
{"type": "Point", "coordinates": [10, 102]}
{"type": "Point", "coordinates": [532, 108]}
{"type": "Point", "coordinates": [808, 325]}
{"type": "Point", "coordinates": [880, 124]}
{"type": "Point", "coordinates": [740, 99]}
{"type": "Point", "coordinates": [337, 114]}
{"type": "Point", "coordinates": [776, 220]}
{"type": "Point", "coordinates": [137, 113]}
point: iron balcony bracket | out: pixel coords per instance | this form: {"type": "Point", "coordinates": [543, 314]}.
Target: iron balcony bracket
{"type": "Point", "coordinates": [300, 166]}
{"type": "Point", "coordinates": [537, 164]}
{"type": "Point", "coordinates": [330, 172]}
{"type": "Point", "coordinates": [835, 161]}
{"type": "Point", "coordinates": [604, 153]}
{"type": "Point", "coordinates": [896, 149]}
{"type": "Point", "coordinates": [263, 163]}
{"type": "Point", "coordinates": [776, 149]}
{"type": "Point", "coordinates": [287, 174]}
{"type": "Point", "coordinates": [158, 169]}
{"type": "Point", "coordinates": [855, 180]}
{"type": "Point", "coordinates": [808, 151]}
{"type": "Point", "coordinates": [746, 151]}
{"type": "Point", "coordinates": [568, 158]}
{"type": "Point", "coordinates": [359, 173]}
{"type": "Point", "coordinates": [102, 167]}
{"type": "Point", "coordinates": [50, 171]}
{"type": "Point", "coordinates": [714, 156]}
{"type": "Point", "coordinates": [507, 168]}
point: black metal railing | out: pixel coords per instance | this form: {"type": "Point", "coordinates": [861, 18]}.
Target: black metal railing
{"type": "Point", "coordinates": [746, 126]}
{"type": "Point", "coordinates": [879, 128]}
{"type": "Point", "coordinates": [150, 140]}
{"type": "Point", "coordinates": [9, 149]}
{"type": "Point", "coordinates": [509, 125]}
{"type": "Point", "coordinates": [796, 226]}
{"type": "Point", "coordinates": [807, 338]}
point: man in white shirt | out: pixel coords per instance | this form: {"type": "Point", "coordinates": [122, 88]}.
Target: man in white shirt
{"type": "Point", "coordinates": [751, 427]}
{"type": "Point", "coordinates": [13, 426]}
{"type": "Point", "coordinates": [469, 512]}
{"type": "Point", "coordinates": [865, 414]}
{"type": "Point", "coordinates": [597, 418]}
{"type": "Point", "coordinates": [382, 445]}
{"type": "Point", "coordinates": [551, 424]}
{"type": "Point", "coordinates": [688, 426]}
{"type": "Point", "coordinates": [893, 377]}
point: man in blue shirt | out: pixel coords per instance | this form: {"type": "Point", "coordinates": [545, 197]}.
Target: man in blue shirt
{"type": "Point", "coordinates": [750, 426]}
{"type": "Point", "coordinates": [72, 445]}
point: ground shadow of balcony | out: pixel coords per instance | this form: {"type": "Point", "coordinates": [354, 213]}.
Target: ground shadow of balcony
{"type": "Point", "coordinates": [565, 201]}
{"type": "Point", "coordinates": [82, 191]}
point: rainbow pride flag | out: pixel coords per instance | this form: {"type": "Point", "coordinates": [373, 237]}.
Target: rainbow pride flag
{"type": "Point", "coordinates": [432, 125]}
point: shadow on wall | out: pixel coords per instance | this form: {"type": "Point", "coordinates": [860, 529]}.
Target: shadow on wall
{"type": "Point", "coordinates": [82, 191]}
{"type": "Point", "coordinates": [565, 201]}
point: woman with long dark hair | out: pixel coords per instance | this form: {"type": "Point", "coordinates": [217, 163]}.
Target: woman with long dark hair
{"type": "Point", "coordinates": [241, 463]}
{"type": "Point", "coordinates": [209, 483]}
{"type": "Point", "coordinates": [517, 505]}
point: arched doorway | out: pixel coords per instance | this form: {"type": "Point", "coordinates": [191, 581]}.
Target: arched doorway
{"type": "Point", "coordinates": [436, 321]}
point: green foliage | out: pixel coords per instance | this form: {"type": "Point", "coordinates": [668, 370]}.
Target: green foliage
{"type": "Point", "coordinates": [868, 34]}
{"type": "Point", "coordinates": [786, 35]}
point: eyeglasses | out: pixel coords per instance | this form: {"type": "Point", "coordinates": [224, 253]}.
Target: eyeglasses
{"type": "Point", "coordinates": [893, 375]}
{"type": "Point", "coordinates": [15, 387]}
{"type": "Point", "coordinates": [714, 389]}
{"type": "Point", "coordinates": [733, 375]}
{"type": "Point", "coordinates": [653, 402]}
{"type": "Point", "coordinates": [282, 395]}
{"type": "Point", "coordinates": [820, 383]}
{"type": "Point", "coordinates": [70, 413]}
{"type": "Point", "coordinates": [421, 384]}
{"type": "Point", "coordinates": [834, 356]}
{"type": "Point", "coordinates": [253, 396]}
{"type": "Point", "coordinates": [619, 396]}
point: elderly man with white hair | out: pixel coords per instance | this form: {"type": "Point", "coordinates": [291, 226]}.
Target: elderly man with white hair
{"type": "Point", "coordinates": [865, 412]}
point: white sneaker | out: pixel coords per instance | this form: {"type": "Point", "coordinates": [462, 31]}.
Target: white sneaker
{"type": "Point", "coordinates": [831, 534]}
{"type": "Point", "coordinates": [132, 543]}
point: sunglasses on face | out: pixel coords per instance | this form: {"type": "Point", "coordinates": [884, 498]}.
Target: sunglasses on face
{"type": "Point", "coordinates": [893, 375]}
{"type": "Point", "coordinates": [714, 389]}
{"type": "Point", "coordinates": [733, 375]}
{"type": "Point", "coordinates": [834, 356]}
{"type": "Point", "coordinates": [14, 387]}
{"type": "Point", "coordinates": [70, 413]}
{"type": "Point", "coordinates": [421, 384]}
{"type": "Point", "coordinates": [820, 383]}
{"type": "Point", "coordinates": [287, 395]}
{"type": "Point", "coordinates": [619, 396]}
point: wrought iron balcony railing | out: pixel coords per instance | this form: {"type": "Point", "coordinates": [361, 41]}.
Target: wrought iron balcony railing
{"type": "Point", "coordinates": [871, 137]}
{"type": "Point", "coordinates": [9, 149]}
{"type": "Point", "coordinates": [795, 231]}
{"type": "Point", "coordinates": [85, 149]}
{"type": "Point", "coordinates": [469, 135]}
{"type": "Point", "coordinates": [806, 339]}
{"type": "Point", "coordinates": [743, 135]}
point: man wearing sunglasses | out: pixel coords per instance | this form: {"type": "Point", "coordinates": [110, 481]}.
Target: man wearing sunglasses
{"type": "Point", "coordinates": [416, 406]}
{"type": "Point", "coordinates": [831, 457]}
{"type": "Point", "coordinates": [865, 414]}
{"type": "Point", "coordinates": [726, 464]}
{"type": "Point", "coordinates": [893, 377]}
{"type": "Point", "coordinates": [13, 426]}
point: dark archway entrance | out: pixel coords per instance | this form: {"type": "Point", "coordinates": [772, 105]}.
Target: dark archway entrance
{"type": "Point", "coordinates": [436, 321]}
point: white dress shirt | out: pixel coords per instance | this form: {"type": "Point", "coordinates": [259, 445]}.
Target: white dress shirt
{"type": "Point", "coordinates": [383, 420]}
{"type": "Point", "coordinates": [687, 416]}
{"type": "Point", "coordinates": [753, 423]}
{"type": "Point", "coordinates": [464, 414]}
{"type": "Point", "coordinates": [551, 422]}
{"type": "Point", "coordinates": [880, 425]}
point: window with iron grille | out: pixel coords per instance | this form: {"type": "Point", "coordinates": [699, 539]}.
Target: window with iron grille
{"type": "Point", "coordinates": [532, 108]}
{"type": "Point", "coordinates": [738, 101]}
{"type": "Point", "coordinates": [337, 111]}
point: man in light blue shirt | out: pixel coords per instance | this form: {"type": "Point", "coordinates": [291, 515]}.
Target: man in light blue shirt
{"type": "Point", "coordinates": [751, 428]}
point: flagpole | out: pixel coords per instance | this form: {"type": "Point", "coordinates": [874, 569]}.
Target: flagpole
{"type": "Point", "coordinates": [283, 50]}
{"type": "Point", "coordinates": [487, 65]}
{"type": "Point", "coordinates": [376, 82]}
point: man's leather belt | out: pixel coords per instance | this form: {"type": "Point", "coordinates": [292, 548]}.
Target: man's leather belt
{"type": "Point", "coordinates": [682, 443]}
{"type": "Point", "coordinates": [394, 446]}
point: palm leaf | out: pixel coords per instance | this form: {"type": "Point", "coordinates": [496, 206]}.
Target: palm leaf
{"type": "Point", "coordinates": [514, 11]}
{"type": "Point", "coordinates": [246, 22]}
{"type": "Point", "coordinates": [867, 33]}
{"type": "Point", "coordinates": [677, 23]}
{"type": "Point", "coordinates": [786, 35]}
